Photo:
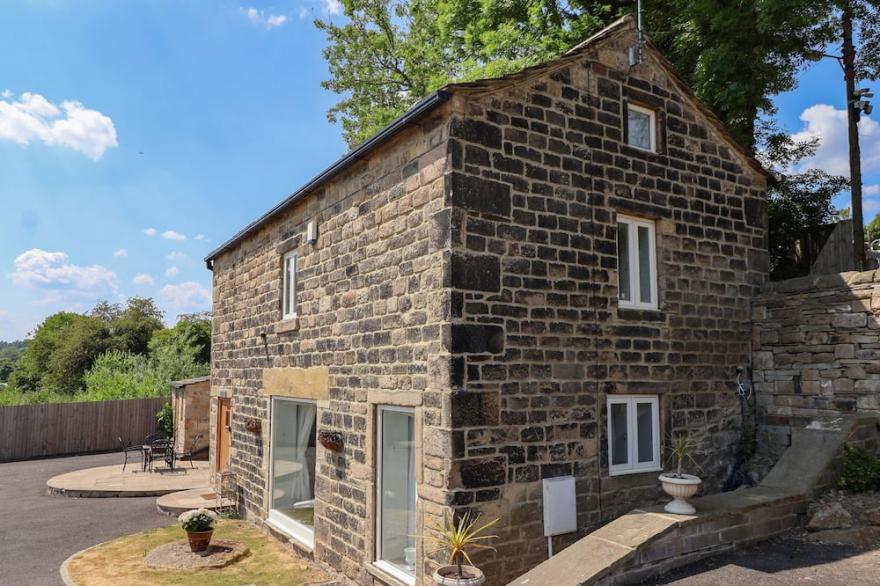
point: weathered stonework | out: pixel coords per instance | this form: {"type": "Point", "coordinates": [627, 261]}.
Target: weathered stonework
{"type": "Point", "coordinates": [468, 268]}
{"type": "Point", "coordinates": [816, 347]}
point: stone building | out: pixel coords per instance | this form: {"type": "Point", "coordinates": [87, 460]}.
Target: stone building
{"type": "Point", "coordinates": [540, 275]}
{"type": "Point", "coordinates": [190, 400]}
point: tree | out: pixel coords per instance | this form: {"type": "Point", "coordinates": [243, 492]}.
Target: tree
{"type": "Point", "coordinates": [387, 54]}
{"type": "Point", "coordinates": [191, 332]}
{"type": "Point", "coordinates": [872, 231]}
{"type": "Point", "coordinates": [798, 202]}
{"type": "Point", "coordinates": [135, 325]}
{"type": "Point", "coordinates": [63, 347]}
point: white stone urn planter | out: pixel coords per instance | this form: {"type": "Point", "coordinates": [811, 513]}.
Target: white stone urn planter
{"type": "Point", "coordinates": [680, 488]}
{"type": "Point", "coordinates": [446, 576]}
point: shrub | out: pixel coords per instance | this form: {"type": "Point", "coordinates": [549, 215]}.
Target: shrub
{"type": "Point", "coordinates": [860, 471]}
{"type": "Point", "coordinates": [165, 420]}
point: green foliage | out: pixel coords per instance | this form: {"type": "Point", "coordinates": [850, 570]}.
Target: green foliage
{"type": "Point", "coordinates": [798, 202]}
{"type": "Point", "coordinates": [197, 520]}
{"type": "Point", "coordinates": [11, 396]}
{"type": "Point", "coordinates": [131, 328]}
{"type": "Point", "coordinates": [387, 54]}
{"type": "Point", "coordinates": [165, 420]}
{"type": "Point", "coordinates": [10, 354]}
{"type": "Point", "coordinates": [61, 350]}
{"type": "Point", "coordinates": [860, 471]}
{"type": "Point", "coordinates": [872, 232]}
{"type": "Point", "coordinates": [191, 333]}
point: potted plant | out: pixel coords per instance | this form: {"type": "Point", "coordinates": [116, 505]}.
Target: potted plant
{"type": "Point", "coordinates": [199, 527]}
{"type": "Point", "coordinates": [678, 485]}
{"type": "Point", "coordinates": [458, 538]}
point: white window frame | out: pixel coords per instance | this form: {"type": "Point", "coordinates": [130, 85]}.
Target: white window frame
{"type": "Point", "coordinates": [302, 533]}
{"type": "Point", "coordinates": [634, 273]}
{"type": "Point", "coordinates": [632, 465]}
{"type": "Point", "coordinates": [288, 302]}
{"type": "Point", "coordinates": [383, 565]}
{"type": "Point", "coordinates": [652, 130]}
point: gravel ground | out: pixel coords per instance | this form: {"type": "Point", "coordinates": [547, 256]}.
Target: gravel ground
{"type": "Point", "coordinates": [39, 531]}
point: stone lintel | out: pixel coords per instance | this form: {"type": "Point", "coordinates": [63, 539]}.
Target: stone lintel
{"type": "Point", "coordinates": [297, 383]}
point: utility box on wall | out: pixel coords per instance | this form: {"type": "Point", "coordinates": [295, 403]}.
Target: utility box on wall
{"type": "Point", "coordinates": [560, 508]}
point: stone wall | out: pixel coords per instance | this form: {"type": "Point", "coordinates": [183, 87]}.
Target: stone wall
{"type": "Point", "coordinates": [372, 307]}
{"type": "Point", "coordinates": [540, 172]}
{"type": "Point", "coordinates": [817, 347]}
{"type": "Point", "coordinates": [191, 401]}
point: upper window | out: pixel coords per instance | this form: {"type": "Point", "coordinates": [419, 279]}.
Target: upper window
{"type": "Point", "coordinates": [289, 285]}
{"type": "Point", "coordinates": [292, 505]}
{"type": "Point", "coordinates": [396, 488]}
{"type": "Point", "coordinates": [633, 434]}
{"type": "Point", "coordinates": [641, 127]}
{"type": "Point", "coordinates": [636, 263]}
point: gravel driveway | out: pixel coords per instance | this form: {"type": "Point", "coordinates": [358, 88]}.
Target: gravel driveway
{"type": "Point", "coordinates": [39, 532]}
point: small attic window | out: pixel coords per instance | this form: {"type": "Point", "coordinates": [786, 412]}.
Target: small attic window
{"type": "Point", "coordinates": [641, 127]}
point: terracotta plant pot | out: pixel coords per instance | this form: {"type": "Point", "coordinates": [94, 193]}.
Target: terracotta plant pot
{"type": "Point", "coordinates": [199, 540]}
{"type": "Point", "coordinates": [446, 576]}
{"type": "Point", "coordinates": [680, 489]}
{"type": "Point", "coordinates": [332, 440]}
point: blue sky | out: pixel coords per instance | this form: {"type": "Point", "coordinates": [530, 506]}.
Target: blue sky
{"type": "Point", "coordinates": [136, 136]}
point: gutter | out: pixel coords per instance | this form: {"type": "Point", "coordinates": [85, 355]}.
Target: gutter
{"type": "Point", "coordinates": [423, 107]}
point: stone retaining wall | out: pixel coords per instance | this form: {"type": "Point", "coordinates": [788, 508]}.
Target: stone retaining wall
{"type": "Point", "coordinates": [816, 345]}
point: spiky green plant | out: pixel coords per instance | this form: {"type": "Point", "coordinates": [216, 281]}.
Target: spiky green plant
{"type": "Point", "coordinates": [461, 536]}
{"type": "Point", "coordinates": [681, 447]}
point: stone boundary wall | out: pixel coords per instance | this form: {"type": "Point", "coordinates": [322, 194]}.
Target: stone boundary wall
{"type": "Point", "coordinates": [816, 347]}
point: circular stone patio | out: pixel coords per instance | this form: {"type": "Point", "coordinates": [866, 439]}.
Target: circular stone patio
{"type": "Point", "coordinates": [177, 555]}
{"type": "Point", "coordinates": [197, 498]}
{"type": "Point", "coordinates": [111, 481]}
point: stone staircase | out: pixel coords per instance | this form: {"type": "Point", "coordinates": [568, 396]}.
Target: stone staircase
{"type": "Point", "coordinates": [648, 542]}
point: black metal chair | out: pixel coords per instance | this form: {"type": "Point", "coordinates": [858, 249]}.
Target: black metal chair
{"type": "Point", "coordinates": [128, 449]}
{"type": "Point", "coordinates": [192, 450]}
{"type": "Point", "coordinates": [158, 447]}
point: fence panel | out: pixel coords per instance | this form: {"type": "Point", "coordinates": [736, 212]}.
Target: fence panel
{"type": "Point", "coordinates": [34, 431]}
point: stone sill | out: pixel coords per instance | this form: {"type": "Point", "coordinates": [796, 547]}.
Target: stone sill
{"type": "Point", "coordinates": [290, 324]}
{"type": "Point", "coordinates": [635, 314]}
{"type": "Point", "coordinates": [384, 577]}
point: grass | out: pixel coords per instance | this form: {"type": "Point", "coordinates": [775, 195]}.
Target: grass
{"type": "Point", "coordinates": [121, 561]}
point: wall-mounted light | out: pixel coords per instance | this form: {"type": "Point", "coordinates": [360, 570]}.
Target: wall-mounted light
{"type": "Point", "coordinates": [312, 233]}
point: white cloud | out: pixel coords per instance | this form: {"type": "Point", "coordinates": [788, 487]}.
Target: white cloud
{"type": "Point", "coordinates": [53, 270]}
{"type": "Point", "coordinates": [829, 125]}
{"type": "Point", "coordinates": [200, 237]}
{"type": "Point", "coordinates": [142, 279]}
{"type": "Point", "coordinates": [171, 272]}
{"type": "Point", "coordinates": [871, 189]}
{"type": "Point", "coordinates": [189, 295]}
{"type": "Point", "coordinates": [262, 18]}
{"type": "Point", "coordinates": [175, 256]}
{"type": "Point", "coordinates": [149, 231]}
{"type": "Point", "coordinates": [33, 117]}
{"type": "Point", "coordinates": [332, 7]}
{"type": "Point", "coordinates": [172, 235]}
{"type": "Point", "coordinates": [120, 253]}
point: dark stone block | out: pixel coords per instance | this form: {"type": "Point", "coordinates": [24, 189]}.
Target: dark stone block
{"type": "Point", "coordinates": [474, 409]}
{"type": "Point", "coordinates": [476, 131]}
{"type": "Point", "coordinates": [482, 472]}
{"type": "Point", "coordinates": [477, 339]}
{"type": "Point", "coordinates": [477, 194]}
{"type": "Point", "coordinates": [475, 272]}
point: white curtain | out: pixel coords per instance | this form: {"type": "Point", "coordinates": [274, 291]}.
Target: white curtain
{"type": "Point", "coordinates": [305, 422]}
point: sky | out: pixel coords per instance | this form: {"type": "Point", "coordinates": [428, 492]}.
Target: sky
{"type": "Point", "coordinates": [137, 136]}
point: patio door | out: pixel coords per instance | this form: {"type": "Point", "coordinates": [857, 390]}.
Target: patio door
{"type": "Point", "coordinates": [224, 434]}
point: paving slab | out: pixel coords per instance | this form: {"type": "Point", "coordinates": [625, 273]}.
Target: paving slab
{"type": "Point", "coordinates": [196, 498]}
{"type": "Point", "coordinates": [112, 481]}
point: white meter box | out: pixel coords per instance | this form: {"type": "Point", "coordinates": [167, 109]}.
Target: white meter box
{"type": "Point", "coordinates": [560, 509]}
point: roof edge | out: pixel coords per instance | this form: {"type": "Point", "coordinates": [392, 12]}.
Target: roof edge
{"type": "Point", "coordinates": [417, 111]}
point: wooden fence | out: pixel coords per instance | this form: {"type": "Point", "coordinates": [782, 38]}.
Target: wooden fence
{"type": "Point", "coordinates": [34, 431]}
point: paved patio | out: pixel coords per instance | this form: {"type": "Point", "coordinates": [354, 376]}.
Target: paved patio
{"type": "Point", "coordinates": [196, 498]}
{"type": "Point", "coordinates": [111, 481]}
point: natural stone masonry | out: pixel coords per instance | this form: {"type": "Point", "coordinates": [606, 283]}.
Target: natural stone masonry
{"type": "Point", "coordinates": [647, 542]}
{"type": "Point", "coordinates": [816, 347]}
{"type": "Point", "coordinates": [468, 268]}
